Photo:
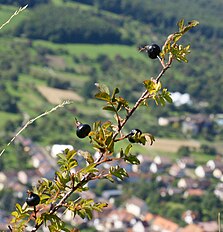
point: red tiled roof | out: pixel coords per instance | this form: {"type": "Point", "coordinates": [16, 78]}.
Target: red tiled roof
{"type": "Point", "coordinates": [165, 224]}
{"type": "Point", "coordinates": [195, 192]}
{"type": "Point", "coordinates": [192, 228]}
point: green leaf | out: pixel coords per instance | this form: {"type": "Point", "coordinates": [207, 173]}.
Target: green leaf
{"type": "Point", "coordinates": [109, 108]}
{"type": "Point", "coordinates": [168, 98]}
{"type": "Point", "coordinates": [118, 172]}
{"type": "Point", "coordinates": [121, 102]}
{"type": "Point", "coordinates": [142, 139]}
{"type": "Point", "coordinates": [15, 214]}
{"type": "Point", "coordinates": [102, 88]}
{"type": "Point", "coordinates": [127, 150]}
{"type": "Point", "coordinates": [89, 169]}
{"type": "Point", "coordinates": [103, 96]}
{"type": "Point", "coordinates": [115, 91]}
{"type": "Point", "coordinates": [106, 125]}
{"type": "Point", "coordinates": [180, 24]}
{"type": "Point", "coordinates": [70, 154]}
{"type": "Point", "coordinates": [19, 208]}
{"type": "Point", "coordinates": [132, 159]}
{"type": "Point", "coordinates": [99, 206]}
{"type": "Point", "coordinates": [73, 163]}
{"type": "Point", "coordinates": [152, 86]}
{"type": "Point", "coordinates": [109, 177]}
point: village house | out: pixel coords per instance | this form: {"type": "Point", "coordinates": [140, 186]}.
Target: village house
{"type": "Point", "coordinates": [118, 220]}
{"type": "Point", "coordinates": [176, 171]}
{"type": "Point", "coordinates": [219, 191]}
{"type": "Point", "coordinates": [194, 124]}
{"type": "Point", "coordinates": [217, 168]}
{"type": "Point", "coordinates": [136, 206]}
{"type": "Point", "coordinates": [145, 162]}
{"type": "Point", "coordinates": [189, 216]}
{"type": "Point", "coordinates": [203, 171]}
{"type": "Point", "coordinates": [160, 164]}
{"type": "Point", "coordinates": [187, 183]}
{"type": "Point", "coordinates": [186, 162]}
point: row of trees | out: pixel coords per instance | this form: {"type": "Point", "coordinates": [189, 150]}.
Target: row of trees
{"type": "Point", "coordinates": [75, 26]}
{"type": "Point", "coordinates": [148, 12]}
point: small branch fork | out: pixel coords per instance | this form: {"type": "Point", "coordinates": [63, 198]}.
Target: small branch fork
{"type": "Point", "coordinates": [145, 95]}
{"type": "Point", "coordinates": [74, 187]}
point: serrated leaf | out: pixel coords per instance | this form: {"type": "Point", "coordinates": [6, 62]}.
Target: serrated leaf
{"type": "Point", "coordinates": [168, 98]}
{"type": "Point", "coordinates": [132, 159]}
{"type": "Point", "coordinates": [118, 172]}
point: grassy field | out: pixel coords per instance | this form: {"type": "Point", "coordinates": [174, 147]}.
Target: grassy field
{"type": "Point", "coordinates": [5, 117]}
{"type": "Point", "coordinates": [93, 50]}
{"type": "Point", "coordinates": [172, 145]}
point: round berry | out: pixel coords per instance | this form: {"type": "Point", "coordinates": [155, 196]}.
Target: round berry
{"type": "Point", "coordinates": [32, 199]}
{"type": "Point", "coordinates": [83, 130]}
{"type": "Point", "coordinates": [153, 51]}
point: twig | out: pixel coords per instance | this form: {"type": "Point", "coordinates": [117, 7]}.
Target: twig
{"type": "Point", "coordinates": [144, 95]}
{"type": "Point", "coordinates": [219, 222]}
{"type": "Point", "coordinates": [15, 13]}
{"type": "Point", "coordinates": [33, 120]}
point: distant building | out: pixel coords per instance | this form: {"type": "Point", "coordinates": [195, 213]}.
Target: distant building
{"type": "Point", "coordinates": [136, 206]}
{"type": "Point", "coordinates": [59, 148]}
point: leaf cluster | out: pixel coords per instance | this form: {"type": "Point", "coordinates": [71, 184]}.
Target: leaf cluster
{"type": "Point", "coordinates": [178, 51]}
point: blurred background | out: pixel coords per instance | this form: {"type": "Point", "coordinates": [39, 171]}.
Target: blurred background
{"type": "Point", "coordinates": [56, 50]}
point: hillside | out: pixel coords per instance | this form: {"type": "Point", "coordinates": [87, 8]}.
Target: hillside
{"type": "Point", "coordinates": [56, 50]}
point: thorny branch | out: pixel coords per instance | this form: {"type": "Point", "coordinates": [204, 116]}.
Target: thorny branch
{"type": "Point", "coordinates": [145, 95]}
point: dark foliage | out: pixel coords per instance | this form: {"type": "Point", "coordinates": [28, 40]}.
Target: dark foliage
{"type": "Point", "coordinates": [75, 26]}
{"type": "Point", "coordinates": [31, 3]}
